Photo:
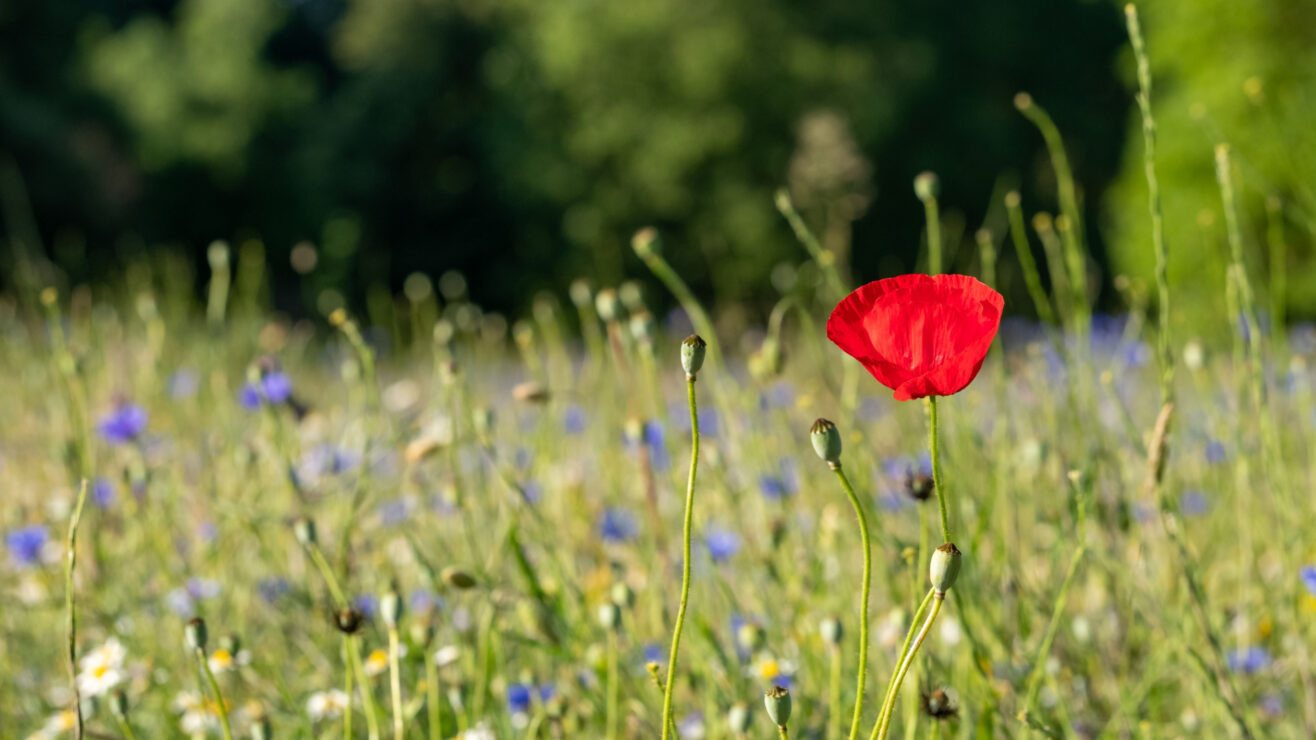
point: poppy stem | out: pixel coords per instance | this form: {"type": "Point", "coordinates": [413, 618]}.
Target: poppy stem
{"type": "Point", "coordinates": [685, 560]}
{"type": "Point", "coordinates": [936, 469]}
{"type": "Point", "coordinates": [890, 709]}
{"type": "Point", "coordinates": [904, 648]}
{"type": "Point", "coordinates": [863, 606]}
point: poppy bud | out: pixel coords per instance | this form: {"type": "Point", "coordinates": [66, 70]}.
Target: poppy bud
{"type": "Point", "coordinates": [693, 349]}
{"type": "Point", "coordinates": [945, 568]}
{"type": "Point", "coordinates": [646, 242]}
{"type": "Point", "coordinates": [831, 631]}
{"type": "Point", "coordinates": [926, 185]}
{"type": "Point", "coordinates": [304, 530]}
{"type": "Point", "coordinates": [195, 633]}
{"type": "Point", "coordinates": [738, 718]}
{"type": "Point", "coordinates": [390, 607]}
{"type": "Point", "coordinates": [457, 578]}
{"type": "Point", "coordinates": [622, 595]}
{"type": "Point", "coordinates": [605, 302]}
{"type": "Point", "coordinates": [610, 616]}
{"type": "Point", "coordinates": [778, 702]}
{"type": "Point", "coordinates": [826, 441]}
{"type": "Point", "coordinates": [751, 637]}
{"type": "Point", "coordinates": [119, 705]}
{"type": "Point", "coordinates": [348, 621]}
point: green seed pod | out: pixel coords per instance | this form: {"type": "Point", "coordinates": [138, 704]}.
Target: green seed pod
{"type": "Point", "coordinates": [751, 637]}
{"type": "Point", "coordinates": [945, 567]}
{"type": "Point", "coordinates": [390, 607]}
{"type": "Point", "coordinates": [778, 701]}
{"type": "Point", "coordinates": [610, 616]}
{"type": "Point", "coordinates": [646, 242]}
{"type": "Point", "coordinates": [195, 632]}
{"type": "Point", "coordinates": [304, 530]}
{"type": "Point", "coordinates": [622, 595]}
{"type": "Point", "coordinates": [826, 439]}
{"type": "Point", "coordinates": [606, 303]}
{"type": "Point", "coordinates": [738, 718]}
{"type": "Point", "coordinates": [119, 705]}
{"type": "Point", "coordinates": [261, 729]}
{"type": "Point", "coordinates": [926, 185]}
{"type": "Point", "coordinates": [231, 643]}
{"type": "Point", "coordinates": [831, 631]}
{"type": "Point", "coordinates": [693, 350]}
{"type": "Point", "coordinates": [457, 578]}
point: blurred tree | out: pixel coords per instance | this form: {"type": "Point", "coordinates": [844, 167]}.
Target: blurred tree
{"type": "Point", "coordinates": [1236, 73]}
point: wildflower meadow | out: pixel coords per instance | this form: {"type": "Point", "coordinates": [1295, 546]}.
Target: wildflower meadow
{"type": "Point", "coordinates": [896, 508]}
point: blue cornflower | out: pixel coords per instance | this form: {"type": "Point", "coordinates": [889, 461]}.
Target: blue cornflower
{"type": "Point", "coordinates": [573, 420]}
{"type": "Point", "coordinates": [208, 531]}
{"type": "Point", "coordinates": [1308, 575]}
{"type": "Point", "coordinates": [367, 604]}
{"type": "Point", "coordinates": [124, 424]}
{"type": "Point", "coordinates": [547, 691]}
{"type": "Point", "coordinates": [653, 438]}
{"type": "Point", "coordinates": [721, 544]}
{"type": "Point", "coordinates": [518, 698]}
{"type": "Point", "coordinates": [617, 525]}
{"type": "Point", "coordinates": [533, 491]}
{"type": "Point", "coordinates": [272, 589]}
{"type": "Point", "coordinates": [782, 484]}
{"type": "Point", "coordinates": [327, 459]}
{"type": "Point", "coordinates": [778, 396]}
{"type": "Point", "coordinates": [1215, 451]}
{"type": "Point", "coordinates": [1193, 503]}
{"type": "Point", "coordinates": [423, 600]}
{"type": "Point", "coordinates": [1248, 660]}
{"type": "Point", "coordinates": [249, 397]}
{"type": "Point", "coordinates": [276, 387]}
{"type": "Point", "coordinates": [25, 544]}
{"type": "Point", "coordinates": [1272, 705]}
{"type": "Point", "coordinates": [653, 653]}
{"type": "Point", "coordinates": [394, 511]}
{"type": "Point", "coordinates": [102, 493]}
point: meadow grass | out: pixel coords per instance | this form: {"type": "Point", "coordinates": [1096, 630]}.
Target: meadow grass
{"type": "Point", "coordinates": [431, 523]}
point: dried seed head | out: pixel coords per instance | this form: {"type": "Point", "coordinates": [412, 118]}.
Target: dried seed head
{"type": "Point", "coordinates": [195, 633]}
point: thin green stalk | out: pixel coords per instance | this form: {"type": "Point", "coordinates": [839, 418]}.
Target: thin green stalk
{"type": "Point", "coordinates": [685, 563]}
{"type": "Point", "coordinates": [1278, 266]}
{"type": "Point", "coordinates": [889, 710]}
{"type": "Point", "coordinates": [347, 688]}
{"type": "Point", "coordinates": [648, 251]}
{"type": "Point", "coordinates": [219, 696]}
{"type": "Point", "coordinates": [70, 607]}
{"type": "Point", "coordinates": [936, 469]}
{"type": "Point", "coordinates": [863, 597]}
{"type": "Point", "coordinates": [614, 687]}
{"type": "Point", "coordinates": [367, 696]}
{"type": "Point", "coordinates": [1044, 649]}
{"type": "Point", "coordinates": [1153, 202]}
{"type": "Point", "coordinates": [328, 574]}
{"type": "Point", "coordinates": [395, 683]}
{"type": "Point", "coordinates": [1024, 253]}
{"type": "Point", "coordinates": [834, 716]}
{"type": "Point", "coordinates": [825, 260]}
{"type": "Point", "coordinates": [932, 217]}
{"type": "Point", "coordinates": [432, 696]}
{"type": "Point", "coordinates": [900, 657]}
{"type": "Point", "coordinates": [785, 735]}
{"type": "Point", "coordinates": [125, 728]}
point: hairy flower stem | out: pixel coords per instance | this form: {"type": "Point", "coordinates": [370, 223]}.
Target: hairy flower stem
{"type": "Point", "coordinates": [395, 682]}
{"type": "Point", "coordinates": [936, 469]}
{"type": "Point", "coordinates": [904, 649]}
{"type": "Point", "coordinates": [863, 605]}
{"type": "Point", "coordinates": [214, 687]}
{"type": "Point", "coordinates": [889, 710]}
{"type": "Point", "coordinates": [70, 608]}
{"type": "Point", "coordinates": [685, 561]}
{"type": "Point", "coordinates": [834, 716]}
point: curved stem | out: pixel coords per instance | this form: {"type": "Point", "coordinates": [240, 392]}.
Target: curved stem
{"type": "Point", "coordinates": [685, 561]}
{"type": "Point", "coordinates": [125, 728]}
{"type": "Point", "coordinates": [904, 648]}
{"type": "Point", "coordinates": [219, 697]}
{"type": "Point", "coordinates": [367, 695]}
{"type": "Point", "coordinates": [889, 709]}
{"type": "Point", "coordinates": [936, 469]}
{"type": "Point", "coordinates": [70, 608]}
{"type": "Point", "coordinates": [395, 682]}
{"type": "Point", "coordinates": [863, 607]}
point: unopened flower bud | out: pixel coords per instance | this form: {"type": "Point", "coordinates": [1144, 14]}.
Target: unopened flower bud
{"type": "Point", "coordinates": [482, 418]}
{"type": "Point", "coordinates": [195, 632]}
{"type": "Point", "coordinates": [457, 578]}
{"type": "Point", "coordinates": [926, 185]}
{"type": "Point", "coordinates": [304, 530]}
{"type": "Point", "coordinates": [580, 292]}
{"type": "Point", "coordinates": [738, 718]}
{"type": "Point", "coordinates": [609, 615]}
{"type": "Point", "coordinates": [231, 643]}
{"type": "Point", "coordinates": [945, 567]}
{"type": "Point", "coordinates": [693, 349]}
{"type": "Point", "coordinates": [605, 302]}
{"type": "Point", "coordinates": [778, 702]}
{"type": "Point", "coordinates": [622, 595]}
{"type": "Point", "coordinates": [348, 621]}
{"type": "Point", "coordinates": [831, 630]}
{"type": "Point", "coordinates": [119, 705]}
{"type": "Point", "coordinates": [421, 632]}
{"type": "Point", "coordinates": [751, 637]}
{"type": "Point", "coordinates": [646, 242]}
{"type": "Point", "coordinates": [390, 608]}
{"type": "Point", "coordinates": [826, 439]}
{"type": "Point", "coordinates": [261, 729]}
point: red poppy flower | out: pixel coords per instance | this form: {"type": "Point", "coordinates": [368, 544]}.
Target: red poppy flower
{"type": "Point", "coordinates": [919, 335]}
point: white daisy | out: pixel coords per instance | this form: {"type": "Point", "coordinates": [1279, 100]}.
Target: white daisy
{"type": "Point", "coordinates": [102, 668]}
{"type": "Point", "coordinates": [326, 705]}
{"type": "Point", "coordinates": [447, 655]}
